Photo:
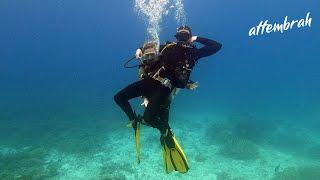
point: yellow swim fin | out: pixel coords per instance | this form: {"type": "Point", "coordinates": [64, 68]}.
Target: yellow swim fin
{"type": "Point", "coordinates": [136, 127]}
{"type": "Point", "coordinates": [173, 155]}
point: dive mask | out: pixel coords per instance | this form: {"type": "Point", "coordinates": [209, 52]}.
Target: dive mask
{"type": "Point", "coordinates": [148, 56]}
{"type": "Point", "coordinates": [149, 52]}
{"type": "Point", "coordinates": [183, 35]}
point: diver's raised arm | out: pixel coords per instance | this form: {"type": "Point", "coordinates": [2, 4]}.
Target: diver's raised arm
{"type": "Point", "coordinates": [210, 46]}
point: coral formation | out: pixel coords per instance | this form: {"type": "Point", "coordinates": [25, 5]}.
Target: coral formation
{"type": "Point", "coordinates": [200, 158]}
{"type": "Point", "coordinates": [29, 164]}
{"type": "Point", "coordinates": [244, 126]}
{"type": "Point", "coordinates": [115, 172]}
{"type": "Point", "coordinates": [299, 173]}
{"type": "Point", "coordinates": [293, 140]}
{"type": "Point", "coordinates": [74, 141]}
{"type": "Point", "coordinates": [240, 149]}
{"type": "Point", "coordinates": [248, 127]}
{"type": "Point", "coordinates": [218, 132]}
{"type": "Point", "coordinates": [223, 176]}
{"type": "Point", "coordinates": [226, 176]}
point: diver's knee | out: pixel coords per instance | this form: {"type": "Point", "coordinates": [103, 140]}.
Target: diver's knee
{"type": "Point", "coordinates": [117, 98]}
{"type": "Point", "coordinates": [147, 118]}
{"type": "Point", "coordinates": [156, 122]}
{"type": "Point", "coordinates": [150, 120]}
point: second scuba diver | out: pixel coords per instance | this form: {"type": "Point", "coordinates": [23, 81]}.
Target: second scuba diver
{"type": "Point", "coordinates": [161, 73]}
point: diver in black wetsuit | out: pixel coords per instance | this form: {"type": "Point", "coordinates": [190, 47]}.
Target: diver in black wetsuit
{"type": "Point", "coordinates": [173, 69]}
{"type": "Point", "coordinates": [161, 75]}
{"type": "Point", "coordinates": [156, 93]}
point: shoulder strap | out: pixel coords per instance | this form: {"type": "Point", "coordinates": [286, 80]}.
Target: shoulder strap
{"type": "Point", "coordinates": [168, 46]}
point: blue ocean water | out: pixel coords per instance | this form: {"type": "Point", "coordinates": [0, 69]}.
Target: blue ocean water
{"type": "Point", "coordinates": [61, 62]}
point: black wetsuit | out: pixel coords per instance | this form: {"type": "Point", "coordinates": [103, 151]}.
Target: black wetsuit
{"type": "Point", "coordinates": [175, 60]}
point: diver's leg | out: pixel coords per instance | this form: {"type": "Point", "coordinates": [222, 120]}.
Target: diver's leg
{"type": "Point", "coordinates": [157, 115]}
{"type": "Point", "coordinates": [163, 124]}
{"type": "Point", "coordinates": [139, 88]}
{"type": "Point", "coordinates": [173, 154]}
{"type": "Point", "coordinates": [151, 111]}
{"type": "Point", "coordinates": [158, 109]}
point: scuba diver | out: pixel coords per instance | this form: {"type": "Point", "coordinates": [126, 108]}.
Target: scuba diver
{"type": "Point", "coordinates": [162, 72]}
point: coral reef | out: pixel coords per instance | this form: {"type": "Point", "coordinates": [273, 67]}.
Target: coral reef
{"type": "Point", "coordinates": [299, 173]}
{"type": "Point", "coordinates": [249, 127]}
{"type": "Point", "coordinates": [293, 140]}
{"type": "Point", "coordinates": [240, 149]}
{"type": "Point", "coordinates": [226, 176]}
{"type": "Point", "coordinates": [218, 132]}
{"type": "Point", "coordinates": [74, 141]}
{"type": "Point", "coordinates": [200, 158]}
{"type": "Point", "coordinates": [243, 126]}
{"type": "Point", "coordinates": [115, 172]}
{"type": "Point", "coordinates": [223, 176]}
{"type": "Point", "coordinates": [28, 164]}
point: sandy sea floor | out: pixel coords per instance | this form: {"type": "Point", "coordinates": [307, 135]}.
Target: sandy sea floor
{"type": "Point", "coordinates": [101, 151]}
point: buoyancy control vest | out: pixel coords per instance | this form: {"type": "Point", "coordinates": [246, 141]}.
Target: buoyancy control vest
{"type": "Point", "coordinates": [178, 61]}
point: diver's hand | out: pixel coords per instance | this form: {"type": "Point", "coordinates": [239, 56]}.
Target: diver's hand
{"type": "Point", "coordinates": [138, 53]}
{"type": "Point", "coordinates": [192, 86]}
{"type": "Point", "coordinates": [145, 102]}
{"type": "Point", "coordinates": [130, 124]}
{"type": "Point", "coordinates": [193, 39]}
